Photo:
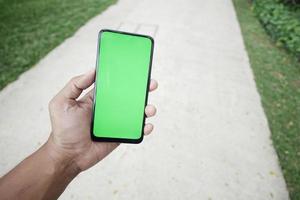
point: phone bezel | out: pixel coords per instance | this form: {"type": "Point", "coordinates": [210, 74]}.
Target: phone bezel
{"type": "Point", "coordinates": [120, 140]}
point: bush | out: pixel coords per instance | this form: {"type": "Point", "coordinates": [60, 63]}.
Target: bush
{"type": "Point", "coordinates": [291, 2]}
{"type": "Point", "coordinates": [281, 22]}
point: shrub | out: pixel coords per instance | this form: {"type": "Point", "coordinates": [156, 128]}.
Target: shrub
{"type": "Point", "coordinates": [281, 22]}
{"type": "Point", "coordinates": [291, 2]}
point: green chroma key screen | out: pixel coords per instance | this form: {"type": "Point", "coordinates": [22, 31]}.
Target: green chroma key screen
{"type": "Point", "coordinates": [122, 80]}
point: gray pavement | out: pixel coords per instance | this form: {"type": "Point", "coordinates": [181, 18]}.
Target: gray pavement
{"type": "Point", "coordinates": [211, 137]}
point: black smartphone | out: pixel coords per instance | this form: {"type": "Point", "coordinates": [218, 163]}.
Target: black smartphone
{"type": "Point", "coordinates": [121, 87]}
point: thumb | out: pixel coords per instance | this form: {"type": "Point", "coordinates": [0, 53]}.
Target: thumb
{"type": "Point", "coordinates": [76, 85]}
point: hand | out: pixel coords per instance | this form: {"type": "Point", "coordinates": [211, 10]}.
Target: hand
{"type": "Point", "coordinates": [70, 139]}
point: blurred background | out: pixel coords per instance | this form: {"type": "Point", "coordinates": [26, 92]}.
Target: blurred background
{"type": "Point", "coordinates": [228, 124]}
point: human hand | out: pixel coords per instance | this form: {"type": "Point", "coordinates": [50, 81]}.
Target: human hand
{"type": "Point", "coordinates": [70, 139]}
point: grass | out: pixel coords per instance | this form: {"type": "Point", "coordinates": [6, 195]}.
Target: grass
{"type": "Point", "coordinates": [29, 29]}
{"type": "Point", "coordinates": [277, 76]}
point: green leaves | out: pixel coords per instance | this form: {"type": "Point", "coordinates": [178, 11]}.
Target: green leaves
{"type": "Point", "coordinates": [281, 22]}
{"type": "Point", "coordinates": [291, 2]}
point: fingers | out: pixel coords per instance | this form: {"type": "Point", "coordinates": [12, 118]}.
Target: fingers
{"type": "Point", "coordinates": [88, 97]}
{"type": "Point", "coordinates": [153, 85]}
{"type": "Point", "coordinates": [77, 84]}
{"type": "Point", "coordinates": [150, 110]}
{"type": "Point", "coordinates": [148, 128]}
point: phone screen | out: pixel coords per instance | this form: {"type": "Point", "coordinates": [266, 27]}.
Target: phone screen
{"type": "Point", "coordinates": [122, 80]}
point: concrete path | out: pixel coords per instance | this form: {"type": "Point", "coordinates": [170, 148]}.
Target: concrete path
{"type": "Point", "coordinates": [211, 139]}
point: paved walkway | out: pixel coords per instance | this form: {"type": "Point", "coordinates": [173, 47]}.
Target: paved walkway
{"type": "Point", "coordinates": [211, 139]}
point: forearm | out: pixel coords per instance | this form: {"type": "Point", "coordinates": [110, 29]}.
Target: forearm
{"type": "Point", "coordinates": [43, 175]}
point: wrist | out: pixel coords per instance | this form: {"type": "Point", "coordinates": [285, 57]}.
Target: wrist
{"type": "Point", "coordinates": [61, 161]}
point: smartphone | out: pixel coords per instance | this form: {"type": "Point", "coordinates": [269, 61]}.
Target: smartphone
{"type": "Point", "coordinates": [122, 81]}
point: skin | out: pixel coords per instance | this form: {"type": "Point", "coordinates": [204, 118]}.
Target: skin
{"type": "Point", "coordinates": [69, 149]}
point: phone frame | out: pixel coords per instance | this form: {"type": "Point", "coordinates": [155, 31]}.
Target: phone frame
{"type": "Point", "coordinates": [120, 140]}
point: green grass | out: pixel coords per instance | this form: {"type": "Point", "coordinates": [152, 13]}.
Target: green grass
{"type": "Point", "coordinates": [29, 29]}
{"type": "Point", "coordinates": [277, 76]}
